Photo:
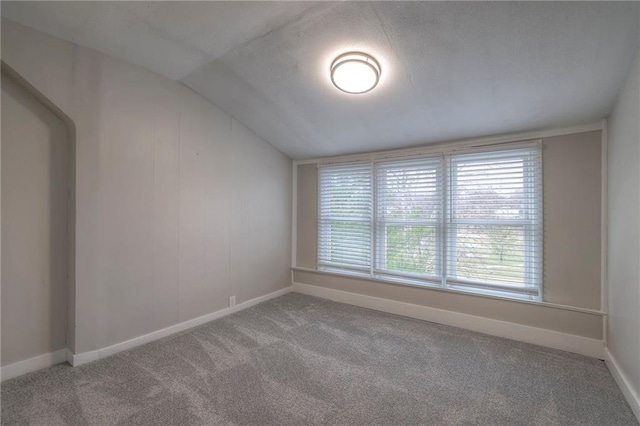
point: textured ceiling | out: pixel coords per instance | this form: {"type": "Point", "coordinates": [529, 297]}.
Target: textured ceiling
{"type": "Point", "coordinates": [449, 70]}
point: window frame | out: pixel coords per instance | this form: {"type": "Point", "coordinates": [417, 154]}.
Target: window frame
{"type": "Point", "coordinates": [533, 265]}
{"type": "Point", "coordinates": [377, 269]}
{"type": "Point", "coordinates": [322, 219]}
{"type": "Point", "coordinates": [532, 190]}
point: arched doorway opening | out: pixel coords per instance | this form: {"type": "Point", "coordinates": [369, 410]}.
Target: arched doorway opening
{"type": "Point", "coordinates": [38, 224]}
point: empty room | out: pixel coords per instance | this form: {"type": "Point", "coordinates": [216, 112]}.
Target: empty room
{"type": "Point", "coordinates": [332, 213]}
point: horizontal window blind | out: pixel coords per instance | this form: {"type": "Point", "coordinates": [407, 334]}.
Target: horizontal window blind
{"type": "Point", "coordinates": [345, 216]}
{"type": "Point", "coordinates": [409, 217]}
{"type": "Point", "coordinates": [468, 220]}
{"type": "Point", "coordinates": [494, 223]}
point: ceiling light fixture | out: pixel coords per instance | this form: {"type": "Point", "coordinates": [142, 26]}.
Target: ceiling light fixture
{"type": "Point", "coordinates": [355, 72]}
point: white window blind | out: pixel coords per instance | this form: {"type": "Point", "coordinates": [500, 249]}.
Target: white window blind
{"type": "Point", "coordinates": [494, 223]}
{"type": "Point", "coordinates": [345, 217]}
{"type": "Point", "coordinates": [409, 217]}
{"type": "Point", "coordinates": [468, 221]}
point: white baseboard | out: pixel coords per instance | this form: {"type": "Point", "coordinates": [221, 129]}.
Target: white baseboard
{"type": "Point", "coordinates": [524, 333]}
{"type": "Point", "coordinates": [631, 395]}
{"type": "Point", "coordinates": [33, 364]}
{"type": "Point", "coordinates": [85, 357]}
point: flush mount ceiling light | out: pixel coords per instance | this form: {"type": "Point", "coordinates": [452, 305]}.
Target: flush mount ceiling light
{"type": "Point", "coordinates": [355, 72]}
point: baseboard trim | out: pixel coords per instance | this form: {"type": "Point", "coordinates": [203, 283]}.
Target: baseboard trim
{"type": "Point", "coordinates": [32, 364]}
{"type": "Point", "coordinates": [85, 357]}
{"type": "Point", "coordinates": [631, 395]}
{"type": "Point", "coordinates": [524, 333]}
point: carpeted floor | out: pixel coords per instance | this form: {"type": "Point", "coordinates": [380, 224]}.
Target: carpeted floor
{"type": "Point", "coordinates": [302, 360]}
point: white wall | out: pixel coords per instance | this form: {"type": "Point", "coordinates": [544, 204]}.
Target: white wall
{"type": "Point", "coordinates": [35, 189]}
{"type": "Point", "coordinates": [623, 332]}
{"type": "Point", "coordinates": [178, 206]}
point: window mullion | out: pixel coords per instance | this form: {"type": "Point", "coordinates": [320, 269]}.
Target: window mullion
{"type": "Point", "coordinates": [452, 226]}
{"type": "Point", "coordinates": [527, 229]}
{"type": "Point", "coordinates": [443, 220]}
{"type": "Point", "coordinates": [374, 212]}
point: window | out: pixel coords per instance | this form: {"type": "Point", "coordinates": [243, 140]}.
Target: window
{"type": "Point", "coordinates": [345, 217]}
{"type": "Point", "coordinates": [494, 237]}
{"type": "Point", "coordinates": [468, 221]}
{"type": "Point", "coordinates": [409, 218]}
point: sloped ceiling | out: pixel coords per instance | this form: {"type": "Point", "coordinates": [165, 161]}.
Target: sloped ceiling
{"type": "Point", "coordinates": [450, 70]}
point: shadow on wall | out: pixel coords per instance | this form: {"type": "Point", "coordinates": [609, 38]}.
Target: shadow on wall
{"type": "Point", "coordinates": [38, 223]}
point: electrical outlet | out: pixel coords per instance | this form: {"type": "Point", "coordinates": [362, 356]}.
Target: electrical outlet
{"type": "Point", "coordinates": [232, 301]}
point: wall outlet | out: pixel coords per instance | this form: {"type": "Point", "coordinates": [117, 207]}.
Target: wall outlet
{"type": "Point", "coordinates": [232, 301]}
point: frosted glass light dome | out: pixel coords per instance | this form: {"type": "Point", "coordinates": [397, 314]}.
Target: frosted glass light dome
{"type": "Point", "coordinates": [355, 72]}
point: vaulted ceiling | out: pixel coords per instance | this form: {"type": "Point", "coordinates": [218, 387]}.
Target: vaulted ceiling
{"type": "Point", "coordinates": [450, 70]}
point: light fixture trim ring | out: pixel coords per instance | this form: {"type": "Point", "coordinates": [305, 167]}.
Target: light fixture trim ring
{"type": "Point", "coordinates": [357, 57]}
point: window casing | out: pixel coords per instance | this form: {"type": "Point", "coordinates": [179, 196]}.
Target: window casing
{"type": "Point", "coordinates": [345, 217]}
{"type": "Point", "coordinates": [408, 221]}
{"type": "Point", "coordinates": [468, 221]}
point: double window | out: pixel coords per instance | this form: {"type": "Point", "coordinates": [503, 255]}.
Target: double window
{"type": "Point", "coordinates": [470, 221]}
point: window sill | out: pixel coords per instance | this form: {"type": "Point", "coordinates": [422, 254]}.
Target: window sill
{"type": "Point", "coordinates": [435, 287]}
{"type": "Point", "coordinates": [419, 282]}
